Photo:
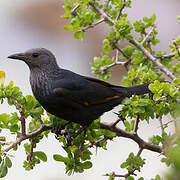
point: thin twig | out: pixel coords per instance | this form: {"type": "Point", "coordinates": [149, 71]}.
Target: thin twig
{"type": "Point", "coordinates": [148, 34]}
{"type": "Point", "coordinates": [139, 152]}
{"type": "Point", "coordinates": [120, 118]}
{"type": "Point", "coordinates": [177, 46]}
{"type": "Point", "coordinates": [166, 56]}
{"type": "Point", "coordinates": [73, 11]}
{"type": "Point", "coordinates": [161, 124]}
{"type": "Point", "coordinates": [40, 120]}
{"type": "Point", "coordinates": [31, 152]}
{"type": "Point", "coordinates": [121, 9]}
{"type": "Point", "coordinates": [166, 123]}
{"type": "Point", "coordinates": [116, 62]}
{"type": "Point", "coordinates": [22, 117]}
{"type": "Point", "coordinates": [136, 124]}
{"type": "Point", "coordinates": [130, 172]}
{"type": "Point", "coordinates": [106, 5]}
{"type": "Point", "coordinates": [92, 25]}
{"type": "Point", "coordinates": [116, 122]}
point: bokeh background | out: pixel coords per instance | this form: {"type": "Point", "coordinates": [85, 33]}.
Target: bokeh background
{"type": "Point", "coordinates": [39, 23]}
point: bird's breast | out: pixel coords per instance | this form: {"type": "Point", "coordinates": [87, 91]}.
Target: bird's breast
{"type": "Point", "coordinates": [41, 87]}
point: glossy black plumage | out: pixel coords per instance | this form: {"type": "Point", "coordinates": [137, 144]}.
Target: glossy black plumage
{"type": "Point", "coordinates": [68, 95]}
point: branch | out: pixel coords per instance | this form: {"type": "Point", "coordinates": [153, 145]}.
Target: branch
{"type": "Point", "coordinates": [92, 25]}
{"type": "Point", "coordinates": [166, 56]}
{"type": "Point", "coordinates": [130, 172]}
{"type": "Point", "coordinates": [142, 144]}
{"type": "Point", "coordinates": [177, 46]}
{"type": "Point", "coordinates": [134, 168]}
{"type": "Point", "coordinates": [148, 34]}
{"type": "Point", "coordinates": [31, 152]}
{"type": "Point", "coordinates": [138, 45]}
{"type": "Point", "coordinates": [161, 124]}
{"type": "Point", "coordinates": [73, 11]}
{"type": "Point", "coordinates": [102, 13]}
{"type": "Point", "coordinates": [22, 118]}
{"type": "Point", "coordinates": [116, 47]}
{"type": "Point", "coordinates": [120, 118]}
{"type": "Point", "coordinates": [116, 62]}
{"type": "Point", "coordinates": [153, 59]}
{"type": "Point", "coordinates": [27, 136]}
{"type": "Point", "coordinates": [136, 124]}
{"type": "Point", "coordinates": [106, 5]}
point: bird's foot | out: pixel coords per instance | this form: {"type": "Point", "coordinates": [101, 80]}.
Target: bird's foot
{"type": "Point", "coordinates": [59, 130]}
{"type": "Point", "coordinates": [71, 136]}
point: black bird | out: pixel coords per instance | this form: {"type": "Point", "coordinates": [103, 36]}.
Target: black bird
{"type": "Point", "coordinates": [68, 95]}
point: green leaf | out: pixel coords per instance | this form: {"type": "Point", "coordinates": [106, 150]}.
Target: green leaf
{"type": "Point", "coordinates": [58, 157]}
{"type": "Point", "coordinates": [150, 21]}
{"type": "Point", "coordinates": [178, 19]}
{"type": "Point", "coordinates": [79, 35]}
{"type": "Point", "coordinates": [177, 80]}
{"type": "Point", "coordinates": [8, 162]}
{"type": "Point", "coordinates": [3, 169]}
{"type": "Point", "coordinates": [157, 177]}
{"type": "Point", "coordinates": [130, 178]}
{"type": "Point", "coordinates": [127, 125]}
{"type": "Point", "coordinates": [2, 138]}
{"type": "Point", "coordinates": [27, 147]}
{"type": "Point", "coordinates": [4, 118]}
{"type": "Point", "coordinates": [107, 46]}
{"type": "Point", "coordinates": [111, 177]}
{"type": "Point", "coordinates": [87, 165]}
{"type": "Point", "coordinates": [41, 155]}
{"type": "Point", "coordinates": [174, 155]}
{"type": "Point", "coordinates": [68, 28]}
{"type": "Point", "coordinates": [132, 124]}
{"type": "Point", "coordinates": [156, 97]}
{"type": "Point", "coordinates": [124, 165]}
{"type": "Point", "coordinates": [139, 26]}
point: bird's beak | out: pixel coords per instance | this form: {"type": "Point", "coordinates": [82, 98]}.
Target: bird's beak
{"type": "Point", "coordinates": [20, 56]}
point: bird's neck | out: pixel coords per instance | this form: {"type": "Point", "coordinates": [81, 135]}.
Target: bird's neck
{"type": "Point", "coordinates": [40, 80]}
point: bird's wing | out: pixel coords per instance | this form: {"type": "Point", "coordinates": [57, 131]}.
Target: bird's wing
{"type": "Point", "coordinates": [98, 81]}
{"type": "Point", "coordinates": [85, 91]}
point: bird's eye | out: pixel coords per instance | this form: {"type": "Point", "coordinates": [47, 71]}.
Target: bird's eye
{"type": "Point", "coordinates": [35, 55]}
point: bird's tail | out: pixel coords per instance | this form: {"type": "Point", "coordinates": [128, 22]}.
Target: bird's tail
{"type": "Point", "coordinates": [133, 90]}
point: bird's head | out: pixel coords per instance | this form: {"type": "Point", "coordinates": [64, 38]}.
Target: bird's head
{"type": "Point", "coordinates": [36, 58]}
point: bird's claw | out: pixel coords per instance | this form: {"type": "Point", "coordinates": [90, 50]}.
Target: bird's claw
{"type": "Point", "coordinates": [59, 130]}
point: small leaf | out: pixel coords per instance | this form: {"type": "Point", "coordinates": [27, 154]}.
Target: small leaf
{"type": "Point", "coordinates": [58, 157]}
{"type": "Point", "coordinates": [177, 80]}
{"type": "Point", "coordinates": [156, 97]}
{"type": "Point", "coordinates": [3, 169]}
{"type": "Point", "coordinates": [79, 35]}
{"type": "Point", "coordinates": [130, 178]}
{"type": "Point", "coordinates": [4, 118]}
{"type": "Point", "coordinates": [87, 165]}
{"type": "Point", "coordinates": [68, 28]}
{"type": "Point", "coordinates": [124, 165]}
{"type": "Point", "coordinates": [41, 155]}
{"type": "Point", "coordinates": [2, 138]}
{"type": "Point", "coordinates": [8, 162]}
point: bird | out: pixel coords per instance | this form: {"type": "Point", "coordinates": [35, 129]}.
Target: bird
{"type": "Point", "coordinates": [68, 95]}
